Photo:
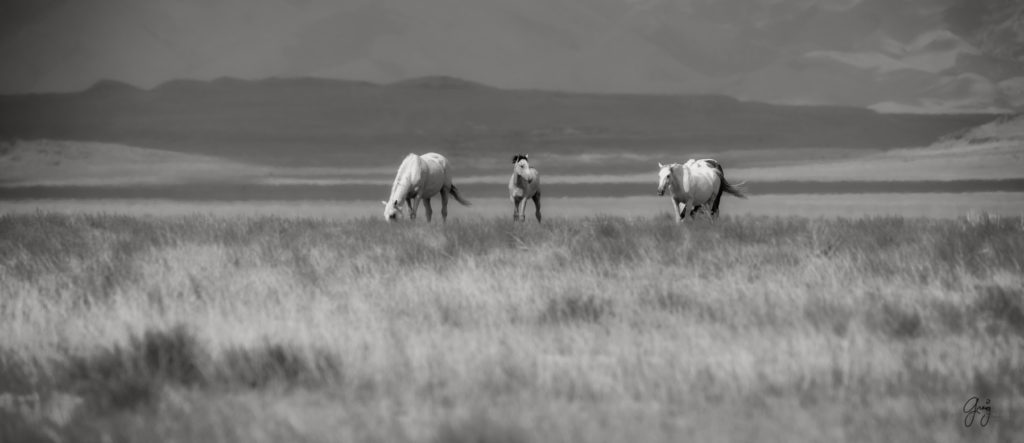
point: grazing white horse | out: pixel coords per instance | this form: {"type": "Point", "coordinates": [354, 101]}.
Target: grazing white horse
{"type": "Point", "coordinates": [421, 177]}
{"type": "Point", "coordinates": [524, 185]}
{"type": "Point", "coordinates": [695, 185]}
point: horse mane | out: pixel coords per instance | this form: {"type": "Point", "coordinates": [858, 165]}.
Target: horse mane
{"type": "Point", "coordinates": [410, 161]}
{"type": "Point", "coordinates": [408, 158]}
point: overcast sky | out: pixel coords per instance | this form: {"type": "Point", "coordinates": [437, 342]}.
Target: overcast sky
{"type": "Point", "coordinates": [798, 51]}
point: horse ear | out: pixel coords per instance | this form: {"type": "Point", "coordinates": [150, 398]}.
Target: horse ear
{"type": "Point", "coordinates": [526, 156]}
{"type": "Point", "coordinates": [660, 166]}
{"type": "Point", "coordinates": [383, 202]}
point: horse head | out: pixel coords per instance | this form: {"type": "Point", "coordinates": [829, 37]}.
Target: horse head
{"type": "Point", "coordinates": [664, 177]}
{"type": "Point", "coordinates": [521, 166]}
{"type": "Point", "coordinates": [392, 210]}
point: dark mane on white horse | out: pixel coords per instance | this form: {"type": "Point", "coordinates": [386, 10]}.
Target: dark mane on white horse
{"type": "Point", "coordinates": [522, 186]}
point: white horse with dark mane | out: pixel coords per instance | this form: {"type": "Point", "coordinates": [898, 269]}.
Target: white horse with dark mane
{"type": "Point", "coordinates": [695, 185]}
{"type": "Point", "coordinates": [524, 185]}
{"type": "Point", "coordinates": [421, 177]}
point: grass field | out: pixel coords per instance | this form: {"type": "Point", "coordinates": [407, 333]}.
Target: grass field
{"type": "Point", "coordinates": [272, 328]}
{"type": "Point", "coordinates": [931, 205]}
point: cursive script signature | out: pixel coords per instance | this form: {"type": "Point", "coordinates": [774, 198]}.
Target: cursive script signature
{"type": "Point", "coordinates": [971, 409]}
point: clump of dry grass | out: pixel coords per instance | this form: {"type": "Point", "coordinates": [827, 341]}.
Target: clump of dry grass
{"type": "Point", "coordinates": [575, 306]}
{"type": "Point", "coordinates": [598, 329]}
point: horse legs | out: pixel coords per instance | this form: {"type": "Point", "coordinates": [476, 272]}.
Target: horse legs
{"type": "Point", "coordinates": [705, 210]}
{"type": "Point", "coordinates": [536, 206]}
{"type": "Point", "coordinates": [444, 205]}
{"type": "Point", "coordinates": [414, 205]}
{"type": "Point", "coordinates": [680, 209]}
{"type": "Point", "coordinates": [517, 201]}
{"type": "Point", "coordinates": [428, 209]}
{"type": "Point", "coordinates": [718, 199]}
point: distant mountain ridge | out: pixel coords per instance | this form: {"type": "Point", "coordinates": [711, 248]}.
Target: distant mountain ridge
{"type": "Point", "coordinates": [927, 56]}
{"type": "Point", "coordinates": [313, 122]}
{"type": "Point", "coordinates": [227, 83]}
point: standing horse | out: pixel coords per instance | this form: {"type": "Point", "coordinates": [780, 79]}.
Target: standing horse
{"type": "Point", "coordinates": [524, 184]}
{"type": "Point", "coordinates": [421, 177]}
{"type": "Point", "coordinates": [696, 184]}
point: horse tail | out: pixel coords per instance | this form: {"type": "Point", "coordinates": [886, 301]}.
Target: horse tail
{"type": "Point", "coordinates": [458, 196]}
{"type": "Point", "coordinates": [737, 189]}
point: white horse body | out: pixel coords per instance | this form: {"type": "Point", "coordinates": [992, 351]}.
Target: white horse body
{"type": "Point", "coordinates": [522, 186]}
{"type": "Point", "coordinates": [419, 178]}
{"type": "Point", "coordinates": [696, 184]}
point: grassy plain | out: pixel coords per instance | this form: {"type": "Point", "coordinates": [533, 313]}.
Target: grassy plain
{"type": "Point", "coordinates": [274, 328]}
{"type": "Point", "coordinates": [937, 205]}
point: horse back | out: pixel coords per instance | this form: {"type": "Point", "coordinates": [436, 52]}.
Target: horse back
{"type": "Point", "coordinates": [436, 174]}
{"type": "Point", "coordinates": [705, 180]}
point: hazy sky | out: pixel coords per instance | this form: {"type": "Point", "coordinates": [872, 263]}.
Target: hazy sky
{"type": "Point", "coordinates": [795, 51]}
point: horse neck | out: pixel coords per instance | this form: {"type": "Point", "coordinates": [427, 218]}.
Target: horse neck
{"type": "Point", "coordinates": [399, 189]}
{"type": "Point", "coordinates": [676, 181]}
{"type": "Point", "coordinates": [528, 174]}
{"type": "Point", "coordinates": [404, 178]}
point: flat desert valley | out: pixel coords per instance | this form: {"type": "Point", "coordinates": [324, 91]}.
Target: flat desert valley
{"type": "Point", "coordinates": [979, 171]}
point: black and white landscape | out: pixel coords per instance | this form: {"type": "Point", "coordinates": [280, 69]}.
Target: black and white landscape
{"type": "Point", "coordinates": [193, 247]}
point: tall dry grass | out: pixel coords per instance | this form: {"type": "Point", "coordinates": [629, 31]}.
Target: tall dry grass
{"type": "Point", "coordinates": [200, 328]}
